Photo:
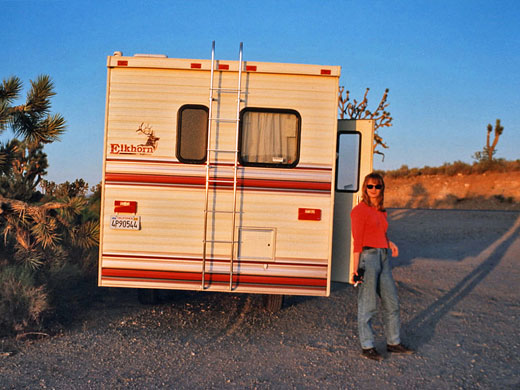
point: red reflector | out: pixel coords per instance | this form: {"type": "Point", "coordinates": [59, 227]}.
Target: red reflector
{"type": "Point", "coordinates": [125, 206]}
{"type": "Point", "coordinates": [223, 67]}
{"type": "Point", "coordinates": [325, 71]}
{"type": "Point", "coordinates": [309, 214]}
{"type": "Point", "coordinates": [251, 68]}
{"type": "Point", "coordinates": [195, 66]}
{"type": "Point", "coordinates": [122, 63]}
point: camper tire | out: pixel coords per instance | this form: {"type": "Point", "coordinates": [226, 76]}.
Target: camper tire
{"type": "Point", "coordinates": [148, 296]}
{"type": "Point", "coordinates": [273, 303]}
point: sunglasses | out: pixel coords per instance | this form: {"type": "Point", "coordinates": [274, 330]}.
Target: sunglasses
{"type": "Point", "coordinates": [377, 186]}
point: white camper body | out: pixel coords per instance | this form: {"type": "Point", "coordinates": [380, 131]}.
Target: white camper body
{"type": "Point", "coordinates": [228, 188]}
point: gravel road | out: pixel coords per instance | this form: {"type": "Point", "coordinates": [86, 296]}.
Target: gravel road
{"type": "Point", "coordinates": [458, 279]}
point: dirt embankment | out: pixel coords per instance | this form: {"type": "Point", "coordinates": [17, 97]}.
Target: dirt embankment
{"type": "Point", "coordinates": [491, 191]}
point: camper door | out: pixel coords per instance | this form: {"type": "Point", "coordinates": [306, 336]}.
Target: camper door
{"type": "Point", "coordinates": [353, 163]}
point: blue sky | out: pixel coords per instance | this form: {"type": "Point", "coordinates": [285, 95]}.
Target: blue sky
{"type": "Point", "coordinates": [452, 66]}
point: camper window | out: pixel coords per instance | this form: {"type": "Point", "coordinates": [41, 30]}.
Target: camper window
{"type": "Point", "coordinates": [347, 164]}
{"type": "Point", "coordinates": [269, 137]}
{"type": "Point", "coordinates": [192, 134]}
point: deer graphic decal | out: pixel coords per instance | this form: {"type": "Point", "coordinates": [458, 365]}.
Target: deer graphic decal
{"type": "Point", "coordinates": [152, 139]}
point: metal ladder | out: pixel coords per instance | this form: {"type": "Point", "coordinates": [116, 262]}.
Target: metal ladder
{"type": "Point", "coordinates": [212, 163]}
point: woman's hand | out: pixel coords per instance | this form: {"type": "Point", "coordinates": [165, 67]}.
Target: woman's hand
{"type": "Point", "coordinates": [393, 248]}
{"type": "Point", "coordinates": [355, 263]}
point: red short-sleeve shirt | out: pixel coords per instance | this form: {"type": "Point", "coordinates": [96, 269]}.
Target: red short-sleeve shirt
{"type": "Point", "coordinates": [369, 227]}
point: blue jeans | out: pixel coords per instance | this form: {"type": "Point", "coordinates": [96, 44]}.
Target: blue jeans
{"type": "Point", "coordinates": [378, 280]}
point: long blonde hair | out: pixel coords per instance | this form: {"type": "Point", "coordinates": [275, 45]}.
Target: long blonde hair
{"type": "Point", "coordinates": [381, 198]}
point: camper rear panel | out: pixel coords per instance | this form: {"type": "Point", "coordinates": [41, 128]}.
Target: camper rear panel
{"type": "Point", "coordinates": [154, 181]}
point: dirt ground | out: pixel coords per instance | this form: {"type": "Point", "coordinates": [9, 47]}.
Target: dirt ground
{"type": "Point", "coordinates": [458, 275]}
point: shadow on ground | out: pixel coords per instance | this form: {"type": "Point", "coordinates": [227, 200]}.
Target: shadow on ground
{"type": "Point", "coordinates": [445, 234]}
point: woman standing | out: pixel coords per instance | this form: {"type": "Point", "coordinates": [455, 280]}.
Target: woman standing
{"type": "Point", "coordinates": [371, 246]}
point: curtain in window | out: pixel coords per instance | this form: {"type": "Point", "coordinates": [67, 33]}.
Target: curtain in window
{"type": "Point", "coordinates": [269, 137]}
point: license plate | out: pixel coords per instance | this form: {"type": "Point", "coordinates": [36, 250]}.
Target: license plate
{"type": "Point", "coordinates": [122, 222]}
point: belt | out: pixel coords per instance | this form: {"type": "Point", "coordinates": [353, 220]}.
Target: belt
{"type": "Point", "coordinates": [367, 248]}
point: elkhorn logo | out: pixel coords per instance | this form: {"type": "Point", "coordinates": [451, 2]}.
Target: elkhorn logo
{"type": "Point", "coordinates": [146, 148]}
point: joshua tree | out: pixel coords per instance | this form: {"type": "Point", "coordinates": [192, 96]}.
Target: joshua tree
{"type": "Point", "coordinates": [490, 149]}
{"type": "Point", "coordinates": [31, 120]}
{"type": "Point", "coordinates": [22, 161]}
{"type": "Point", "coordinates": [36, 231]}
{"type": "Point", "coordinates": [359, 110]}
{"type": "Point", "coordinates": [487, 154]}
{"type": "Point", "coordinates": [46, 242]}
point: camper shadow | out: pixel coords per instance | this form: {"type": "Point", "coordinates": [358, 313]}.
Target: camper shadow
{"type": "Point", "coordinates": [222, 301]}
{"type": "Point", "coordinates": [180, 306]}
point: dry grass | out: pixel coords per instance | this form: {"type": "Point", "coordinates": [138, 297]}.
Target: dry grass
{"type": "Point", "coordinates": [22, 303]}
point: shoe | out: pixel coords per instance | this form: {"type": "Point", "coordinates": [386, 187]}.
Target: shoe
{"type": "Point", "coordinates": [399, 348]}
{"type": "Point", "coordinates": [371, 353]}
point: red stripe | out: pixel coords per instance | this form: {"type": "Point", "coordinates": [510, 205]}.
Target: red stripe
{"type": "Point", "coordinates": [201, 181]}
{"type": "Point", "coordinates": [154, 179]}
{"type": "Point", "coordinates": [212, 277]}
{"type": "Point", "coordinates": [195, 284]}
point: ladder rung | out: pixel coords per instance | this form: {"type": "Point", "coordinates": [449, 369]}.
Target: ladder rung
{"type": "Point", "coordinates": [225, 120]}
{"type": "Point", "coordinates": [221, 241]}
{"type": "Point", "coordinates": [221, 180]}
{"type": "Point", "coordinates": [229, 90]}
{"type": "Point", "coordinates": [223, 151]}
{"type": "Point", "coordinates": [217, 166]}
{"type": "Point", "coordinates": [222, 211]}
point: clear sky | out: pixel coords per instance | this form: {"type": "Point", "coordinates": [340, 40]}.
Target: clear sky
{"type": "Point", "coordinates": [452, 66]}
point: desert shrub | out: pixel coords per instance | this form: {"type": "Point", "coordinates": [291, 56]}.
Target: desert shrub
{"type": "Point", "coordinates": [401, 172]}
{"type": "Point", "coordinates": [455, 168]}
{"type": "Point", "coordinates": [514, 165]}
{"type": "Point", "coordinates": [427, 170]}
{"type": "Point", "coordinates": [414, 172]}
{"type": "Point", "coordinates": [502, 199]}
{"type": "Point", "coordinates": [487, 166]}
{"type": "Point", "coordinates": [22, 302]}
{"type": "Point", "coordinates": [70, 288]}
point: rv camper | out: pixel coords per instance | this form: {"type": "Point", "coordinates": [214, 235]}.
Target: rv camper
{"type": "Point", "coordinates": [228, 176]}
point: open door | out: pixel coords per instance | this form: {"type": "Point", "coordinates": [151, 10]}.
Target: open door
{"type": "Point", "coordinates": [354, 161]}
